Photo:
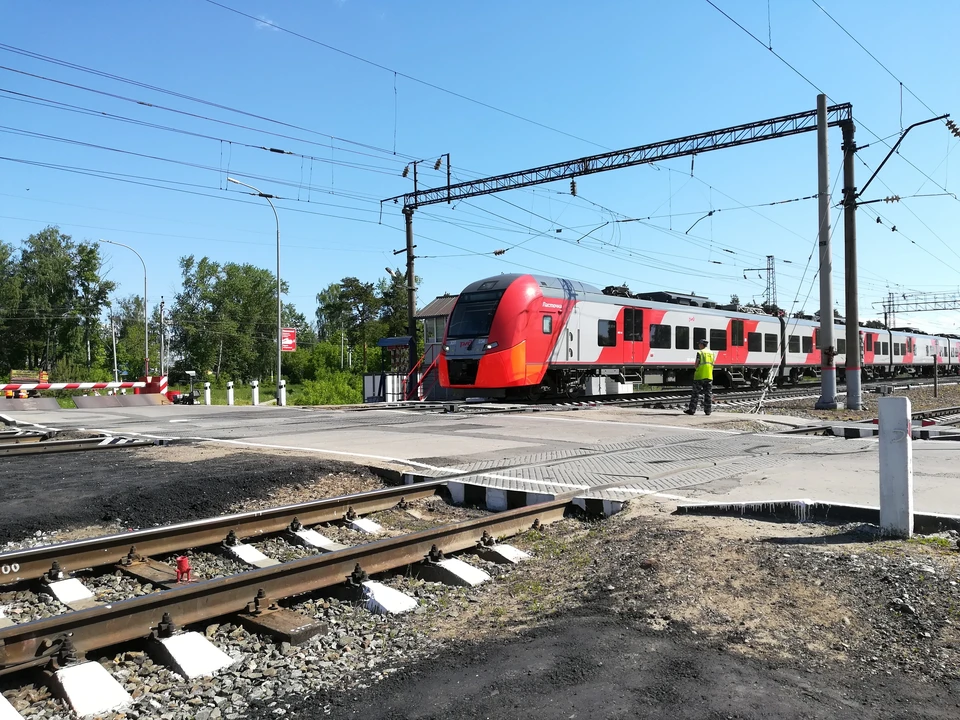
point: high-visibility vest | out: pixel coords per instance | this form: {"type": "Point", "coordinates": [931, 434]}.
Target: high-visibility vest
{"type": "Point", "coordinates": [704, 369]}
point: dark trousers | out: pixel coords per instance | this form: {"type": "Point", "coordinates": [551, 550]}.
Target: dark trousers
{"type": "Point", "coordinates": [705, 388]}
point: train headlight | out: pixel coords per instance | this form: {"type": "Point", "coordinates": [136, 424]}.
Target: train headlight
{"type": "Point", "coordinates": [446, 348]}
{"type": "Point", "coordinates": [490, 346]}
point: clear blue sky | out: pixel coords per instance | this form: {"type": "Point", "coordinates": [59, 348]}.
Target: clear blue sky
{"type": "Point", "coordinates": [613, 74]}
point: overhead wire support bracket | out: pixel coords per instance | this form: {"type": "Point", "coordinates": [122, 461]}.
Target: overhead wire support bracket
{"type": "Point", "coordinates": [894, 149]}
{"type": "Point", "coordinates": [777, 127]}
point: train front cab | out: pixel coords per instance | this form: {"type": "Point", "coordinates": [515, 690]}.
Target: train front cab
{"type": "Point", "coordinates": [499, 336]}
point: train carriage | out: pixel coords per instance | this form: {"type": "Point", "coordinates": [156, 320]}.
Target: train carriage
{"type": "Point", "coordinates": [524, 334]}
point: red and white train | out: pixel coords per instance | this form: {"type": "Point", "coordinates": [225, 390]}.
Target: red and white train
{"type": "Point", "coordinates": [526, 334]}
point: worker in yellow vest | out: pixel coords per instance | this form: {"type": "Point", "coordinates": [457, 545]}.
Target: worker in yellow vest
{"type": "Point", "coordinates": [702, 380]}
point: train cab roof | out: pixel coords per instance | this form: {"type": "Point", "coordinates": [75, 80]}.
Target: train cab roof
{"type": "Point", "coordinates": [551, 286]}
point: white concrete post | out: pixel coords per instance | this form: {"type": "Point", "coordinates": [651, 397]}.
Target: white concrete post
{"type": "Point", "coordinates": [283, 393]}
{"type": "Point", "coordinates": [206, 393]}
{"type": "Point", "coordinates": [230, 393]}
{"type": "Point", "coordinates": [896, 467]}
{"type": "Point", "coordinates": [255, 391]}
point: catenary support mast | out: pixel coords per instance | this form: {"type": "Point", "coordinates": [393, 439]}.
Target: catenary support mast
{"type": "Point", "coordinates": [828, 371]}
{"type": "Point", "coordinates": [852, 305]}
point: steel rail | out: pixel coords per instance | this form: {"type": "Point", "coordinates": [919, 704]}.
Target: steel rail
{"type": "Point", "coordinates": [31, 644]}
{"type": "Point", "coordinates": [934, 413]}
{"type": "Point", "coordinates": [58, 446]}
{"type": "Point", "coordinates": [32, 563]}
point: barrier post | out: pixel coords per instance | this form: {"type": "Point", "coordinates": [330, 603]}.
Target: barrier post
{"type": "Point", "coordinates": [255, 391]}
{"type": "Point", "coordinates": [206, 393]}
{"type": "Point", "coordinates": [230, 393]}
{"type": "Point", "coordinates": [896, 467]}
{"type": "Point", "coordinates": [283, 393]}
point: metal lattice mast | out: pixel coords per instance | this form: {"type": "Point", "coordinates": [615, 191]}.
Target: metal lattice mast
{"type": "Point", "coordinates": [771, 282]}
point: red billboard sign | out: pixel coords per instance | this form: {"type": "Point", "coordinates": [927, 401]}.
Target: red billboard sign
{"type": "Point", "coordinates": [288, 340]}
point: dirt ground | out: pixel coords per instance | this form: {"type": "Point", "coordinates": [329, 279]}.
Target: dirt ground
{"type": "Point", "coordinates": [921, 398]}
{"type": "Point", "coordinates": [646, 614]}
{"type": "Point", "coordinates": [654, 615]}
{"type": "Point", "coordinates": [106, 491]}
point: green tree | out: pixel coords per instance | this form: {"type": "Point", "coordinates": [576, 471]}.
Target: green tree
{"type": "Point", "coordinates": [393, 305]}
{"type": "Point", "coordinates": [333, 313]}
{"type": "Point", "coordinates": [10, 290]}
{"type": "Point", "coordinates": [225, 319]}
{"type": "Point", "coordinates": [362, 300]}
{"type": "Point", "coordinates": [62, 295]}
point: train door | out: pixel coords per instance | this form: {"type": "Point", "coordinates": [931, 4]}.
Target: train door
{"type": "Point", "coordinates": [632, 335]}
{"type": "Point", "coordinates": [572, 338]}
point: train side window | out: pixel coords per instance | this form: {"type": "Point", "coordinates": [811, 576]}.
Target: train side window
{"type": "Point", "coordinates": [807, 343]}
{"type": "Point", "coordinates": [841, 346]}
{"type": "Point", "coordinates": [754, 342]}
{"type": "Point", "coordinates": [660, 336]}
{"type": "Point", "coordinates": [547, 324]}
{"type": "Point", "coordinates": [632, 325]}
{"type": "Point", "coordinates": [884, 348]}
{"type": "Point", "coordinates": [793, 344]}
{"type": "Point", "coordinates": [683, 337]}
{"type": "Point", "coordinates": [736, 333]}
{"type": "Point", "coordinates": [869, 342]}
{"type": "Point", "coordinates": [816, 339]}
{"type": "Point", "coordinates": [607, 333]}
{"type": "Point", "coordinates": [698, 335]}
{"type": "Point", "coordinates": [718, 340]}
{"type": "Point", "coordinates": [770, 342]}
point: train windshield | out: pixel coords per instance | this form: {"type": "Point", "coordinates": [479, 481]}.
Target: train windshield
{"type": "Point", "coordinates": [473, 315]}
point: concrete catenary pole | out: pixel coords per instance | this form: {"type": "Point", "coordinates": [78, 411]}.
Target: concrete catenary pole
{"type": "Point", "coordinates": [828, 371]}
{"type": "Point", "coordinates": [854, 398]}
{"type": "Point", "coordinates": [411, 290]}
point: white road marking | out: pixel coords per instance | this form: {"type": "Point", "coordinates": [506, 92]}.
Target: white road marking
{"type": "Point", "coordinates": [179, 421]}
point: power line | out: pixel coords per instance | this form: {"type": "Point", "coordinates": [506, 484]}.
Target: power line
{"type": "Point", "coordinates": [198, 166]}
{"type": "Point", "coordinates": [397, 73]}
{"type": "Point", "coordinates": [195, 116]}
{"type": "Point", "coordinates": [132, 179]}
{"type": "Point", "coordinates": [182, 96]}
{"type": "Point", "coordinates": [814, 85]}
{"type": "Point", "coordinates": [67, 107]}
{"type": "Point", "coordinates": [875, 59]}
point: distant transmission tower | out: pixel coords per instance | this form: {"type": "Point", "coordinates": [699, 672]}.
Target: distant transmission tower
{"type": "Point", "coordinates": [770, 294]}
{"type": "Point", "coordinates": [771, 282]}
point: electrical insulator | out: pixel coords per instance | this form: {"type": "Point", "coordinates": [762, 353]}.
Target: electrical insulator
{"type": "Point", "coordinates": [406, 171]}
{"type": "Point", "coordinates": [436, 165]}
{"type": "Point", "coordinates": [499, 252]}
{"type": "Point", "coordinates": [892, 198]}
{"type": "Point", "coordinates": [952, 127]}
{"type": "Point", "coordinates": [573, 188]}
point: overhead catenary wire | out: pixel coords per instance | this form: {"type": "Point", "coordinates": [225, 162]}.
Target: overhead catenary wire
{"type": "Point", "coordinates": [817, 88]}
{"type": "Point", "coordinates": [406, 76]}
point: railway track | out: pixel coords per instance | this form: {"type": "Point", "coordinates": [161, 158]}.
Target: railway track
{"type": "Point", "coordinates": [661, 399]}
{"type": "Point", "coordinates": [249, 596]}
{"type": "Point", "coordinates": [33, 563]}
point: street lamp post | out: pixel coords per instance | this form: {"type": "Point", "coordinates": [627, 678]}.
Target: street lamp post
{"type": "Point", "coordinates": [267, 197]}
{"type": "Point", "coordinates": [146, 317]}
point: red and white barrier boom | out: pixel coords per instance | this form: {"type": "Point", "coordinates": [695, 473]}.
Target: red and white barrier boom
{"type": "Point", "coordinates": [150, 384]}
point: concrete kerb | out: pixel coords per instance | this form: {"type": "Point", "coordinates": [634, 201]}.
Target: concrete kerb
{"type": "Point", "coordinates": [806, 510]}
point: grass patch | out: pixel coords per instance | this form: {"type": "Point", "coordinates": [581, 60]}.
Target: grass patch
{"type": "Point", "coordinates": [931, 542]}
